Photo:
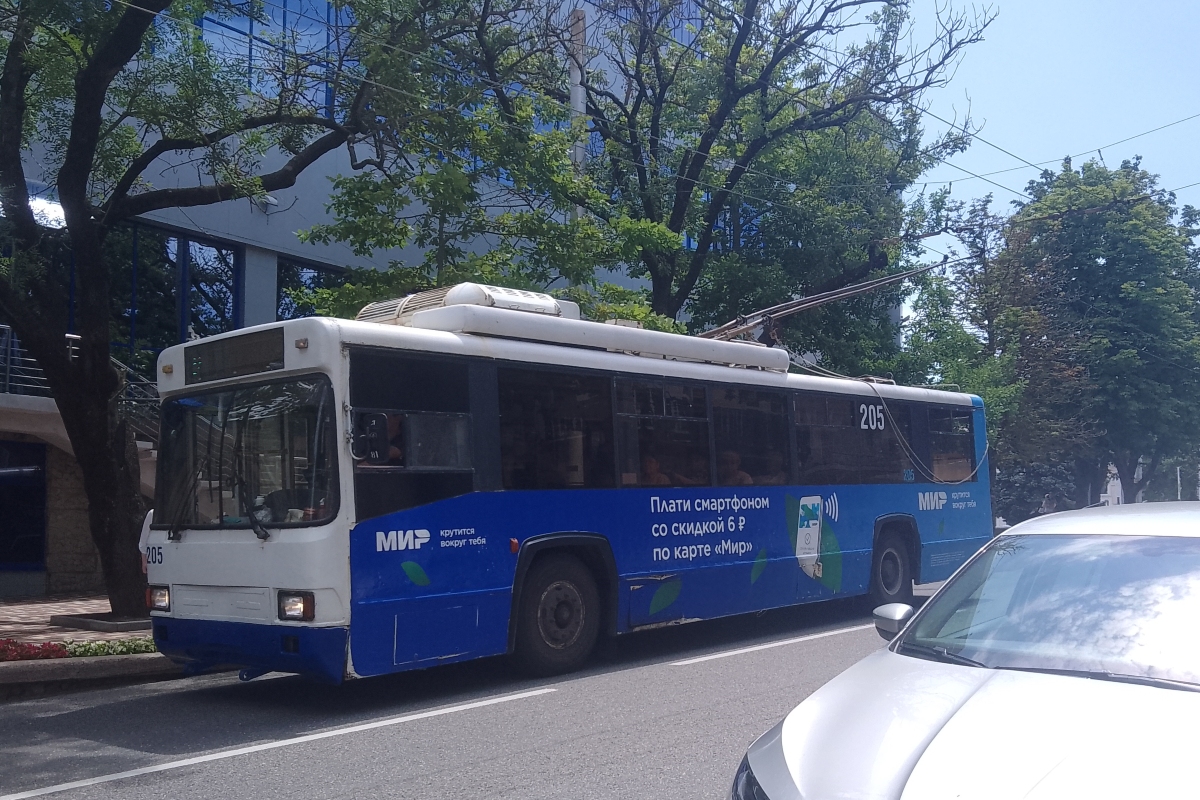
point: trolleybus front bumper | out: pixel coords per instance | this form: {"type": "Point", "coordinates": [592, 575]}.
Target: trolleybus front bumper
{"type": "Point", "coordinates": [208, 644]}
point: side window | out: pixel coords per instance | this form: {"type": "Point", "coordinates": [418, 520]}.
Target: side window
{"type": "Point", "coordinates": [951, 444]}
{"type": "Point", "coordinates": [556, 430]}
{"type": "Point", "coordinates": [847, 439]}
{"type": "Point", "coordinates": [750, 430]}
{"type": "Point", "coordinates": [662, 434]}
{"type": "Point", "coordinates": [426, 403]}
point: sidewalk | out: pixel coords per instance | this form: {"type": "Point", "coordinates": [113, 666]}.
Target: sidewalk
{"type": "Point", "coordinates": [28, 619]}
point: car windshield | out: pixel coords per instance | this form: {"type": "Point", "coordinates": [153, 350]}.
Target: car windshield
{"type": "Point", "coordinates": [1117, 605]}
{"type": "Point", "coordinates": [265, 449]}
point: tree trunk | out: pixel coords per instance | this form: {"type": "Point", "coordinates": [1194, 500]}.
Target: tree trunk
{"type": "Point", "coordinates": [662, 298]}
{"type": "Point", "coordinates": [108, 460]}
{"type": "Point", "coordinates": [1091, 477]}
{"type": "Point", "coordinates": [86, 387]}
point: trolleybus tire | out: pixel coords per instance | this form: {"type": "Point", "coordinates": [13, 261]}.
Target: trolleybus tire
{"type": "Point", "coordinates": [891, 571]}
{"type": "Point", "coordinates": [558, 619]}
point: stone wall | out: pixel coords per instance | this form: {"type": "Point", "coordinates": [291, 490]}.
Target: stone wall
{"type": "Point", "coordinates": [72, 563]}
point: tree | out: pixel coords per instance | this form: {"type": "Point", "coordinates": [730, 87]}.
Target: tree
{"type": "Point", "coordinates": [106, 91]}
{"type": "Point", "coordinates": [692, 105]}
{"type": "Point", "coordinates": [1116, 278]}
{"type": "Point", "coordinates": [496, 203]}
{"type": "Point", "coordinates": [1075, 318]}
{"type": "Point", "coordinates": [824, 209]}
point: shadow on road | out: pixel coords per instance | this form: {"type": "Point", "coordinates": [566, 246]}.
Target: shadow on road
{"type": "Point", "coordinates": [82, 733]}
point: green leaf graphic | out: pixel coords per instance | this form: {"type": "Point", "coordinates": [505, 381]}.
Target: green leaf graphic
{"type": "Point", "coordinates": [793, 518]}
{"type": "Point", "coordinates": [666, 594]}
{"type": "Point", "coordinates": [760, 564]}
{"type": "Point", "coordinates": [831, 558]}
{"type": "Point", "coordinates": [415, 574]}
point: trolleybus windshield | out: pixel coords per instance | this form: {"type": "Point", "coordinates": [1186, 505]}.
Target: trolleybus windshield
{"type": "Point", "coordinates": [263, 449]}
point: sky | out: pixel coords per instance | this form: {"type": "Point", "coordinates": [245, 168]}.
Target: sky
{"type": "Point", "coordinates": [1064, 77]}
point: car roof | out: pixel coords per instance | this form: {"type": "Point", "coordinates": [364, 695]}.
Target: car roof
{"type": "Point", "coordinates": [1137, 519]}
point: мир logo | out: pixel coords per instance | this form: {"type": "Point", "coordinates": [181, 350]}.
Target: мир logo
{"type": "Point", "coordinates": [400, 540]}
{"type": "Point", "coordinates": [931, 501]}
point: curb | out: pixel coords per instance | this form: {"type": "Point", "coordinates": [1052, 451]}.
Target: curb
{"type": "Point", "coordinates": [99, 622]}
{"type": "Point", "coordinates": [37, 677]}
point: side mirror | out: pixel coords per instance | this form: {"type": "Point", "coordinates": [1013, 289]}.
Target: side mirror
{"type": "Point", "coordinates": [374, 438]}
{"type": "Point", "coordinates": [890, 619]}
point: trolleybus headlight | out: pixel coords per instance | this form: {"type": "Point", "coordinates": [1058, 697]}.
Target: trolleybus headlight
{"type": "Point", "coordinates": [299, 606]}
{"type": "Point", "coordinates": [158, 598]}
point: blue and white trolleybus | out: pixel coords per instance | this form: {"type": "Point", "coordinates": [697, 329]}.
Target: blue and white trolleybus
{"type": "Point", "coordinates": [475, 471]}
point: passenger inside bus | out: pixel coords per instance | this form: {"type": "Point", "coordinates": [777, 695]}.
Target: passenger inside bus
{"type": "Point", "coordinates": [652, 474]}
{"type": "Point", "coordinates": [697, 471]}
{"type": "Point", "coordinates": [395, 424]}
{"type": "Point", "coordinates": [775, 474]}
{"type": "Point", "coordinates": [729, 470]}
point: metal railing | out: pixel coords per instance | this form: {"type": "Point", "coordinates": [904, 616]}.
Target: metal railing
{"type": "Point", "coordinates": [20, 374]}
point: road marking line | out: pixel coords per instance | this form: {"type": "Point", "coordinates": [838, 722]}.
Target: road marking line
{"type": "Point", "coordinates": [258, 748]}
{"type": "Point", "coordinates": [755, 648]}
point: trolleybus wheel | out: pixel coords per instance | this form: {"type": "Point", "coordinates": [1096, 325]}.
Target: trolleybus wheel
{"type": "Point", "coordinates": [558, 619]}
{"type": "Point", "coordinates": [891, 571]}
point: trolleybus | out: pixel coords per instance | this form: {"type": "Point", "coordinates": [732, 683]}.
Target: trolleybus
{"type": "Point", "coordinates": [476, 471]}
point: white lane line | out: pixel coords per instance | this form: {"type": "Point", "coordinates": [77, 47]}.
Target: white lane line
{"type": "Point", "coordinates": [258, 748]}
{"type": "Point", "coordinates": [757, 647]}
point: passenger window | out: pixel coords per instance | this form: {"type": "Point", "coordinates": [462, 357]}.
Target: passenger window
{"type": "Point", "coordinates": [439, 441]}
{"type": "Point", "coordinates": [852, 440]}
{"type": "Point", "coordinates": [556, 430]}
{"type": "Point", "coordinates": [428, 452]}
{"type": "Point", "coordinates": [750, 429]}
{"type": "Point", "coordinates": [662, 434]}
{"type": "Point", "coordinates": [951, 444]}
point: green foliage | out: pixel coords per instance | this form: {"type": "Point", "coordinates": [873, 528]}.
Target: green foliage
{"type": "Point", "coordinates": [361, 286]}
{"type": "Point", "coordinates": [1118, 284]}
{"type": "Point", "coordinates": [609, 301]}
{"type": "Point", "coordinates": [1076, 320]}
{"type": "Point", "coordinates": [483, 181]}
{"type": "Point", "coordinates": [112, 647]}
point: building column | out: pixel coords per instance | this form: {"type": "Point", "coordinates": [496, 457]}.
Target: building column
{"type": "Point", "coordinates": [259, 299]}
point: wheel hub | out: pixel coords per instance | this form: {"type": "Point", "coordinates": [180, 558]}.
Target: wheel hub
{"type": "Point", "coordinates": [889, 572]}
{"type": "Point", "coordinates": [560, 615]}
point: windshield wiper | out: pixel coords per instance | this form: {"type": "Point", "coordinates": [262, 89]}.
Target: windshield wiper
{"type": "Point", "coordinates": [938, 654]}
{"type": "Point", "coordinates": [255, 525]}
{"type": "Point", "coordinates": [1116, 677]}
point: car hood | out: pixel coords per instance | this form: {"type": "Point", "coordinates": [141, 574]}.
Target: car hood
{"type": "Point", "coordinates": [894, 727]}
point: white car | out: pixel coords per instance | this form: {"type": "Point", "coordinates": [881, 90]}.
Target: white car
{"type": "Point", "coordinates": [1062, 661]}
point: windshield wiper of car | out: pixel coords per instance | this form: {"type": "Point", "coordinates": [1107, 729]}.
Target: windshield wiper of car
{"type": "Point", "coordinates": [934, 653]}
{"type": "Point", "coordinates": [1116, 677]}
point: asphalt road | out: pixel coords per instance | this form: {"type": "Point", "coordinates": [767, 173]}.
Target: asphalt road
{"type": "Point", "coordinates": [664, 713]}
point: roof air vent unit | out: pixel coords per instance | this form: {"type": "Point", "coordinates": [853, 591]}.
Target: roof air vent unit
{"type": "Point", "coordinates": [400, 312]}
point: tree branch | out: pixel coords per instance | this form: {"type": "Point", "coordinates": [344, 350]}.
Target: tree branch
{"type": "Point", "coordinates": [191, 196]}
{"type": "Point", "coordinates": [140, 164]}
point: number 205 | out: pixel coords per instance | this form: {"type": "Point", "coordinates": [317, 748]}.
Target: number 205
{"type": "Point", "coordinates": [871, 417]}
{"type": "Point", "coordinates": [154, 555]}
